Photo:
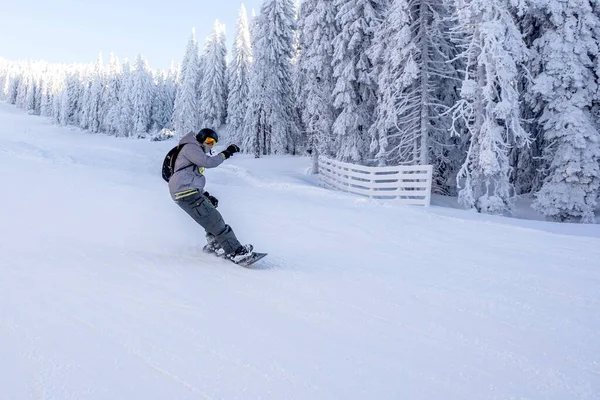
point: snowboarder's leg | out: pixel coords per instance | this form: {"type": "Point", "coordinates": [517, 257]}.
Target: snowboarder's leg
{"type": "Point", "coordinates": [205, 214]}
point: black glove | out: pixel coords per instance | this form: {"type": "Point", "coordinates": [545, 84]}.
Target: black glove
{"type": "Point", "coordinates": [212, 199]}
{"type": "Point", "coordinates": [230, 150]}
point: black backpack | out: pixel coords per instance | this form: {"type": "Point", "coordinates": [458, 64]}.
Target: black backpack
{"type": "Point", "coordinates": [168, 167]}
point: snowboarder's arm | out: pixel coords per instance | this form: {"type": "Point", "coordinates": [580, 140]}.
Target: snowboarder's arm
{"type": "Point", "coordinates": [201, 159]}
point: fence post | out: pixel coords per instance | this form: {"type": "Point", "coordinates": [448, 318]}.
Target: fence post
{"type": "Point", "coordinates": [429, 179]}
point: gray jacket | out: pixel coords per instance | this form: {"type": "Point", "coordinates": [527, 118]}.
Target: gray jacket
{"type": "Point", "coordinates": [190, 164]}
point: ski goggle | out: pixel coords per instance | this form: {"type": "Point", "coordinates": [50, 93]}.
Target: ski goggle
{"type": "Point", "coordinates": [210, 141]}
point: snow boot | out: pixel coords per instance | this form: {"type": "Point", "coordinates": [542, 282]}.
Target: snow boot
{"type": "Point", "coordinates": [212, 246]}
{"type": "Point", "coordinates": [241, 254]}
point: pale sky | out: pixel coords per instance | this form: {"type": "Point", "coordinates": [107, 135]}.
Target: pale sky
{"type": "Point", "coordinates": [77, 30]}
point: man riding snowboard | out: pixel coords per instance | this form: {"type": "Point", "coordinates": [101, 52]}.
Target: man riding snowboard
{"type": "Point", "coordinates": [186, 186]}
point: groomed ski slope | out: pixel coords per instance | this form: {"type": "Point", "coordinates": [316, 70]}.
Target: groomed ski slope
{"type": "Point", "coordinates": [104, 292]}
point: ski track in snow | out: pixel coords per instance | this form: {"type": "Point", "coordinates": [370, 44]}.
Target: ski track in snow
{"type": "Point", "coordinates": [105, 293]}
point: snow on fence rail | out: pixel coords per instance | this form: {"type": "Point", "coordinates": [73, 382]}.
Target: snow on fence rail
{"type": "Point", "coordinates": [408, 184]}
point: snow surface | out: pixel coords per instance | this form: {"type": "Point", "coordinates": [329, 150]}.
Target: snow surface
{"type": "Point", "coordinates": [105, 294]}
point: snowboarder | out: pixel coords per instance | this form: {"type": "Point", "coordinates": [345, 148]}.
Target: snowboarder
{"type": "Point", "coordinates": [186, 186]}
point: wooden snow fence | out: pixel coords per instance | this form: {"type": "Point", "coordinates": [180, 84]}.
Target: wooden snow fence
{"type": "Point", "coordinates": [408, 184]}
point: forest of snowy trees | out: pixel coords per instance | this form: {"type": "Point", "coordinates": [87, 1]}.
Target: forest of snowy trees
{"type": "Point", "coordinates": [502, 97]}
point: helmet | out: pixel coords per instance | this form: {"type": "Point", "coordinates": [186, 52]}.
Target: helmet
{"type": "Point", "coordinates": [206, 133]}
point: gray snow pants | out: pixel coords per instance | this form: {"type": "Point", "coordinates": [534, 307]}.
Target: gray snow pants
{"type": "Point", "coordinates": [207, 216]}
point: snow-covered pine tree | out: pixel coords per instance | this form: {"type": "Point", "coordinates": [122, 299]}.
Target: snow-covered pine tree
{"type": "Point", "coordinates": [141, 97]}
{"type": "Point", "coordinates": [170, 92]}
{"type": "Point", "coordinates": [4, 78]}
{"type": "Point", "coordinates": [527, 162]}
{"type": "Point", "coordinates": [239, 75]}
{"type": "Point", "coordinates": [86, 92]}
{"type": "Point", "coordinates": [315, 75]}
{"type": "Point", "coordinates": [31, 90]}
{"type": "Point", "coordinates": [158, 101]}
{"type": "Point", "coordinates": [46, 91]}
{"type": "Point", "coordinates": [12, 84]}
{"type": "Point", "coordinates": [417, 84]}
{"type": "Point", "coordinates": [489, 105]}
{"type": "Point", "coordinates": [110, 97]}
{"type": "Point", "coordinates": [296, 36]}
{"type": "Point", "coordinates": [4, 73]}
{"type": "Point", "coordinates": [185, 113]}
{"type": "Point", "coordinates": [396, 130]}
{"type": "Point", "coordinates": [253, 23]}
{"type": "Point", "coordinates": [301, 138]}
{"type": "Point", "coordinates": [299, 73]}
{"type": "Point", "coordinates": [566, 82]}
{"type": "Point", "coordinates": [58, 86]}
{"type": "Point", "coordinates": [96, 107]}
{"type": "Point", "coordinates": [355, 90]}
{"type": "Point", "coordinates": [23, 88]}
{"type": "Point", "coordinates": [64, 100]}
{"type": "Point", "coordinates": [40, 70]}
{"type": "Point", "coordinates": [213, 87]}
{"type": "Point", "coordinates": [270, 124]}
{"type": "Point", "coordinates": [125, 102]}
{"type": "Point", "coordinates": [70, 98]}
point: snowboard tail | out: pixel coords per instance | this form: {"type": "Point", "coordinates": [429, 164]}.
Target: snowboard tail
{"type": "Point", "coordinates": [251, 260]}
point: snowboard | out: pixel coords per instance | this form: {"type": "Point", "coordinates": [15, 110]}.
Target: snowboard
{"type": "Point", "coordinates": [244, 263]}
{"type": "Point", "coordinates": [251, 260]}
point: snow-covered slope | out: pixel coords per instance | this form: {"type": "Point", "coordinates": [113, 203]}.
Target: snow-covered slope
{"type": "Point", "coordinates": [104, 292]}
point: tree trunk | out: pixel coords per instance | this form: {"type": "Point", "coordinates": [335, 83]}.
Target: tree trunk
{"type": "Point", "coordinates": [315, 161]}
{"type": "Point", "coordinates": [424, 13]}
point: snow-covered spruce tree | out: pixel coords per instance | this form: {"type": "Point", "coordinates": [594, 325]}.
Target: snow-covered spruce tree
{"type": "Point", "coordinates": [162, 103]}
{"type": "Point", "coordinates": [299, 134]}
{"type": "Point", "coordinates": [12, 84]}
{"type": "Point", "coordinates": [40, 70]}
{"type": "Point", "coordinates": [213, 86]}
{"type": "Point", "coordinates": [30, 91]}
{"type": "Point", "coordinates": [64, 100]}
{"type": "Point", "coordinates": [527, 162]}
{"type": "Point", "coordinates": [46, 91]}
{"type": "Point", "coordinates": [270, 124]}
{"type": "Point", "coordinates": [83, 86]}
{"type": "Point", "coordinates": [58, 86]}
{"type": "Point", "coordinates": [201, 61]}
{"type": "Point", "coordinates": [110, 97]}
{"type": "Point", "coordinates": [22, 89]}
{"type": "Point", "coordinates": [125, 101]}
{"type": "Point", "coordinates": [396, 130]}
{"type": "Point", "coordinates": [142, 91]}
{"type": "Point", "coordinates": [301, 12]}
{"type": "Point", "coordinates": [96, 107]}
{"type": "Point", "coordinates": [417, 84]}
{"type": "Point", "coordinates": [296, 35]}
{"type": "Point", "coordinates": [249, 137]}
{"type": "Point", "coordinates": [4, 78]}
{"type": "Point", "coordinates": [566, 82]}
{"type": "Point", "coordinates": [71, 98]}
{"type": "Point", "coordinates": [489, 104]}
{"type": "Point", "coordinates": [170, 92]}
{"type": "Point", "coordinates": [354, 92]}
{"type": "Point", "coordinates": [84, 105]}
{"type": "Point", "coordinates": [315, 75]}
{"type": "Point", "coordinates": [4, 73]}
{"type": "Point", "coordinates": [158, 114]}
{"type": "Point", "coordinates": [185, 113]}
{"type": "Point", "coordinates": [239, 75]}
